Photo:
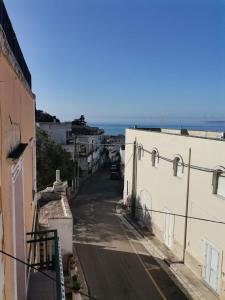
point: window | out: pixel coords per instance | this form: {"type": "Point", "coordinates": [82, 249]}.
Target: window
{"type": "Point", "coordinates": [178, 166]}
{"type": "Point", "coordinates": [140, 152]}
{"type": "Point", "coordinates": [155, 158]}
{"type": "Point", "coordinates": [218, 182]}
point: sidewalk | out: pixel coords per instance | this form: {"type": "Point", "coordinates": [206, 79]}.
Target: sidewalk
{"type": "Point", "coordinates": [181, 274]}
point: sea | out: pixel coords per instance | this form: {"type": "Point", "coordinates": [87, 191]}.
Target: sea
{"type": "Point", "coordinates": [116, 129]}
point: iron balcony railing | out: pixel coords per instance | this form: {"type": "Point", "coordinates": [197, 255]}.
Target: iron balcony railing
{"type": "Point", "coordinates": [47, 256]}
{"type": "Point", "coordinates": [13, 42]}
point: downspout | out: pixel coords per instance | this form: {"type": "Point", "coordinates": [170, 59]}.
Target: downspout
{"type": "Point", "coordinates": [134, 180]}
{"type": "Point", "coordinates": [187, 206]}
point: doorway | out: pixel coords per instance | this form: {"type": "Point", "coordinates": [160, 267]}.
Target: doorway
{"type": "Point", "coordinates": [211, 266]}
{"type": "Point", "coordinates": [168, 228]}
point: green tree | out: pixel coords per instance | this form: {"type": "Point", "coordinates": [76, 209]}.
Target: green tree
{"type": "Point", "coordinates": [50, 157]}
{"type": "Point", "coordinates": [42, 116]}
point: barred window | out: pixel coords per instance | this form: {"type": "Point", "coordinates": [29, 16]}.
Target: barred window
{"type": "Point", "coordinates": [178, 166]}
{"type": "Point", "coordinates": [140, 152]}
{"type": "Point", "coordinates": [155, 157]}
{"type": "Point", "coordinates": [218, 182]}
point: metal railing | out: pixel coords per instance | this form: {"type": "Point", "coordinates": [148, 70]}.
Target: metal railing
{"type": "Point", "coordinates": [46, 256]}
{"type": "Point", "coordinates": [13, 42]}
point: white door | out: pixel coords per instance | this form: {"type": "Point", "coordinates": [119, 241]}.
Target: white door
{"type": "Point", "coordinates": [211, 266]}
{"type": "Point", "coordinates": [168, 228]}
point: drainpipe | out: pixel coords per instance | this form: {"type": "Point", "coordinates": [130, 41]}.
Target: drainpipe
{"type": "Point", "coordinates": [187, 206]}
{"type": "Point", "coordinates": [134, 180]}
{"type": "Point", "coordinates": [75, 163]}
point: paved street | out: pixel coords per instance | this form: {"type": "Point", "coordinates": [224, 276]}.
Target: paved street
{"type": "Point", "coordinates": [116, 266]}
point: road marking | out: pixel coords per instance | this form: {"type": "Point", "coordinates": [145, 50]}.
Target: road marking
{"type": "Point", "coordinates": [142, 263]}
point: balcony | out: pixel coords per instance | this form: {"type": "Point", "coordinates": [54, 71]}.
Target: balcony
{"type": "Point", "coordinates": [46, 257]}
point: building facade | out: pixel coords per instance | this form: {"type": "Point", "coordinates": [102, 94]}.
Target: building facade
{"type": "Point", "coordinates": [17, 162]}
{"type": "Point", "coordinates": [58, 132]}
{"type": "Point", "coordinates": [81, 141]}
{"type": "Point", "coordinates": [175, 185]}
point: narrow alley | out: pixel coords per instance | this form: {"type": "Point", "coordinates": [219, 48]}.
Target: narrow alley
{"type": "Point", "coordinates": [115, 265]}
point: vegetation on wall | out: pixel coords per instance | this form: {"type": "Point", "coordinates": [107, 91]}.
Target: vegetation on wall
{"type": "Point", "coordinates": [50, 157]}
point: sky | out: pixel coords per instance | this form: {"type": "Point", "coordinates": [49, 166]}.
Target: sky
{"type": "Point", "coordinates": [124, 60]}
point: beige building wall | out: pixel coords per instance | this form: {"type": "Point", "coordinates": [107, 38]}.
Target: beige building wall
{"type": "Point", "coordinates": [158, 189]}
{"type": "Point", "coordinates": [17, 108]}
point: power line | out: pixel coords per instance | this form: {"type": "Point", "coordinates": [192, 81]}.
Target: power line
{"type": "Point", "coordinates": [45, 274]}
{"type": "Point", "coordinates": [199, 168]}
{"type": "Point", "coordinates": [178, 215]}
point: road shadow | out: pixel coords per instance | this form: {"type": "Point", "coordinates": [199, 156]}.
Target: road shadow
{"type": "Point", "coordinates": [117, 275]}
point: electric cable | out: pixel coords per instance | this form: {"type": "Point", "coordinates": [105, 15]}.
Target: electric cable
{"type": "Point", "coordinates": [199, 168]}
{"type": "Point", "coordinates": [45, 274]}
{"type": "Point", "coordinates": [178, 215]}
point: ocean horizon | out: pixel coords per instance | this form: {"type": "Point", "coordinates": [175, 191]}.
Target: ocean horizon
{"type": "Point", "coordinates": [116, 129]}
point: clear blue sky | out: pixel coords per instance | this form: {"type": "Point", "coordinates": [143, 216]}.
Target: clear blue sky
{"type": "Point", "coordinates": [124, 60]}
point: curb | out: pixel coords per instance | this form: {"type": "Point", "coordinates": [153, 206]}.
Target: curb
{"type": "Point", "coordinates": [172, 271]}
{"type": "Point", "coordinates": [84, 287]}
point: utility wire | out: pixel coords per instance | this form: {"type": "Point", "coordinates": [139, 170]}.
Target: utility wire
{"type": "Point", "coordinates": [178, 215]}
{"type": "Point", "coordinates": [199, 168]}
{"type": "Point", "coordinates": [43, 273]}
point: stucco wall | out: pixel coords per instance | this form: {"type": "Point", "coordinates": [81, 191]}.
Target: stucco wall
{"type": "Point", "coordinates": [64, 227]}
{"type": "Point", "coordinates": [158, 189]}
{"type": "Point", "coordinates": [17, 125]}
{"type": "Point", "coordinates": [56, 131]}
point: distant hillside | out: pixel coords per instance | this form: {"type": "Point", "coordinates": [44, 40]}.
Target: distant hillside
{"type": "Point", "coordinates": [42, 116]}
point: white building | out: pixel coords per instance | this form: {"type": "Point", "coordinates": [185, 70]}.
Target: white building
{"type": "Point", "coordinates": [91, 156]}
{"type": "Point", "coordinates": [88, 146]}
{"type": "Point", "coordinates": [58, 132]}
{"type": "Point", "coordinates": [179, 194]}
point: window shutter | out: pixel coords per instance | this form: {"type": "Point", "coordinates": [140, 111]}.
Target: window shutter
{"type": "Point", "coordinates": [139, 156]}
{"type": "Point", "coordinates": [215, 181]}
{"type": "Point", "coordinates": [153, 158]}
{"type": "Point", "coordinates": [175, 163]}
{"type": "Point", "coordinates": [221, 184]}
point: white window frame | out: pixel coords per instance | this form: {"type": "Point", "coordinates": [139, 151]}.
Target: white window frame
{"type": "Point", "coordinates": [178, 170]}
{"type": "Point", "coordinates": [155, 157]}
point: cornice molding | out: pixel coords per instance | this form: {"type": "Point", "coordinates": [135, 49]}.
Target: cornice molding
{"type": "Point", "coordinates": [6, 50]}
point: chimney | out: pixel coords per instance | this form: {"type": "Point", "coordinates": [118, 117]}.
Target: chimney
{"type": "Point", "coordinates": [57, 177]}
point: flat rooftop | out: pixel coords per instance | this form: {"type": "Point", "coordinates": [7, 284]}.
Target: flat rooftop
{"type": "Point", "coordinates": [55, 209]}
{"type": "Point", "coordinates": [214, 135]}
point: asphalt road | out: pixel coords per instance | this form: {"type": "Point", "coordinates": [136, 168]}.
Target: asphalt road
{"type": "Point", "coordinates": [115, 264]}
